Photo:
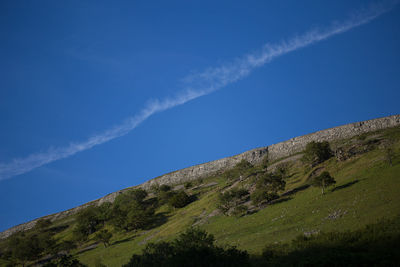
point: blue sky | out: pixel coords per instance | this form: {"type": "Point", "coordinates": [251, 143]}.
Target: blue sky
{"type": "Point", "coordinates": [228, 76]}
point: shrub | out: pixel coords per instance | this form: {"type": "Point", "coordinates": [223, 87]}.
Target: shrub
{"type": "Point", "coordinates": [192, 248]}
{"type": "Point", "coordinates": [137, 194]}
{"type": "Point", "coordinates": [130, 212]}
{"type": "Point", "coordinates": [89, 220]}
{"type": "Point", "coordinates": [230, 199]}
{"type": "Point", "coordinates": [316, 153]}
{"type": "Point", "coordinates": [260, 195]}
{"type": "Point", "coordinates": [25, 248]}
{"type": "Point", "coordinates": [282, 169]}
{"type": "Point", "coordinates": [243, 168]}
{"type": "Point", "coordinates": [103, 236]}
{"type": "Point", "coordinates": [165, 188]}
{"type": "Point", "coordinates": [267, 187]}
{"type": "Point", "coordinates": [270, 182]}
{"type": "Point", "coordinates": [131, 216]}
{"type": "Point", "coordinates": [179, 200]}
{"type": "Point", "coordinates": [188, 185]}
{"type": "Point", "coordinates": [65, 261]}
{"type": "Point", "coordinates": [164, 196]}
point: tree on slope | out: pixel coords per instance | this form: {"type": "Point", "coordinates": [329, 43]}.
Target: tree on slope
{"type": "Point", "coordinates": [316, 153]}
{"type": "Point", "coordinates": [104, 236]}
{"type": "Point", "coordinates": [267, 187]}
{"type": "Point", "coordinates": [323, 180]}
{"type": "Point", "coordinates": [130, 212]}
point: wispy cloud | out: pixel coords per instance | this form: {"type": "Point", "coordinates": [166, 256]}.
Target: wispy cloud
{"type": "Point", "coordinates": [198, 85]}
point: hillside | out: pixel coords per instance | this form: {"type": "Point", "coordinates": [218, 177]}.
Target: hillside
{"type": "Point", "coordinates": [365, 164]}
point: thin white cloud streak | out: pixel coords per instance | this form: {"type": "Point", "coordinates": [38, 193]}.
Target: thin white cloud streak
{"type": "Point", "coordinates": [197, 85]}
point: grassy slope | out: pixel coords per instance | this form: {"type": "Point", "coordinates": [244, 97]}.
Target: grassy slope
{"type": "Point", "coordinates": [367, 190]}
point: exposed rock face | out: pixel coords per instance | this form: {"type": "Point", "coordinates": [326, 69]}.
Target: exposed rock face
{"type": "Point", "coordinates": [297, 144]}
{"type": "Point", "coordinates": [254, 156]}
{"type": "Point", "coordinates": [275, 151]}
{"type": "Point", "coordinates": [192, 173]}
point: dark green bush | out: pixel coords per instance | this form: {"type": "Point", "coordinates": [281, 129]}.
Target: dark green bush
{"type": "Point", "coordinates": [316, 153]}
{"type": "Point", "coordinates": [179, 199]}
{"type": "Point", "coordinates": [136, 194]}
{"type": "Point", "coordinates": [188, 185]}
{"type": "Point", "coordinates": [243, 168]}
{"type": "Point", "coordinates": [267, 187]}
{"type": "Point", "coordinates": [65, 261]}
{"type": "Point", "coordinates": [164, 196]}
{"type": "Point", "coordinates": [261, 194]}
{"type": "Point", "coordinates": [165, 188]}
{"type": "Point", "coordinates": [230, 199]}
{"type": "Point", "coordinates": [130, 211]}
{"type": "Point", "coordinates": [103, 236]}
{"type": "Point", "coordinates": [131, 216]}
{"type": "Point", "coordinates": [88, 221]}
{"type": "Point", "coordinates": [192, 248]}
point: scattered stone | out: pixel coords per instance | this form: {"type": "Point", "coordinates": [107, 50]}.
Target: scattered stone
{"type": "Point", "coordinates": [336, 214]}
{"type": "Point", "coordinates": [311, 233]}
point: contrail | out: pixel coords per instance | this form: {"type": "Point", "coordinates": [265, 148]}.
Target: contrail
{"type": "Point", "coordinates": [198, 85]}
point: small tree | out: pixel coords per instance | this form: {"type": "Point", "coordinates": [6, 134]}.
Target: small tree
{"type": "Point", "coordinates": [267, 187]}
{"type": "Point", "coordinates": [192, 248]}
{"type": "Point", "coordinates": [88, 221]}
{"type": "Point", "coordinates": [137, 194]}
{"type": "Point", "coordinates": [179, 200]}
{"type": "Point", "coordinates": [230, 199]}
{"type": "Point", "coordinates": [316, 153]}
{"type": "Point", "coordinates": [164, 196]}
{"type": "Point", "coordinates": [25, 248]}
{"type": "Point", "coordinates": [282, 169]}
{"type": "Point", "coordinates": [104, 212]}
{"type": "Point", "coordinates": [130, 215]}
{"type": "Point", "coordinates": [103, 236]}
{"type": "Point", "coordinates": [261, 194]}
{"type": "Point", "coordinates": [68, 261]}
{"type": "Point", "coordinates": [323, 180]}
{"type": "Point", "coordinates": [243, 168]}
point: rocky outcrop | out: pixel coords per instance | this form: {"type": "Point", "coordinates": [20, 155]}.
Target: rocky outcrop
{"type": "Point", "coordinates": [206, 169]}
{"type": "Point", "coordinates": [297, 144]}
{"type": "Point", "coordinates": [276, 151]}
{"type": "Point", "coordinates": [273, 152]}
